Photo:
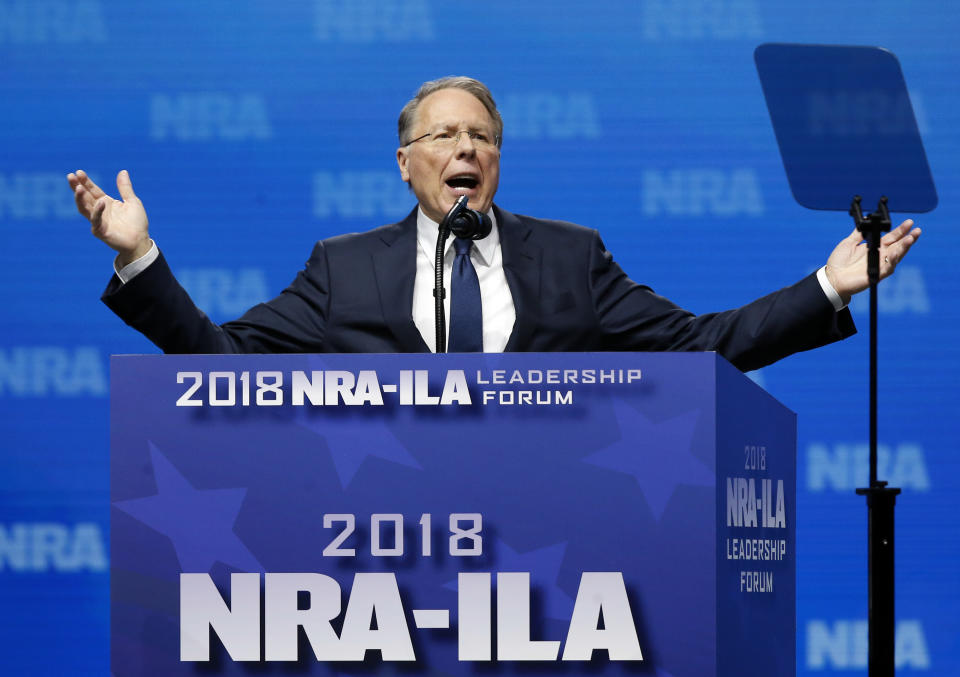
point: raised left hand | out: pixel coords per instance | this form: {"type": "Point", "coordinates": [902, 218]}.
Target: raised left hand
{"type": "Point", "coordinates": [847, 265]}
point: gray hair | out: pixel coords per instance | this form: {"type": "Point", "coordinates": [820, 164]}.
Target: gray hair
{"type": "Point", "coordinates": [475, 87]}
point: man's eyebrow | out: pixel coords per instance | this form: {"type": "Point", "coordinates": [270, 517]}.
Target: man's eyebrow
{"type": "Point", "coordinates": [456, 126]}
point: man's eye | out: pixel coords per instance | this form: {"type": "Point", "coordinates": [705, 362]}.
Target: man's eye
{"type": "Point", "coordinates": [442, 135]}
{"type": "Point", "coordinates": [479, 136]}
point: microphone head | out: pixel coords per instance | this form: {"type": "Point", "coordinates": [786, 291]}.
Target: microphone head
{"type": "Point", "coordinates": [471, 225]}
{"type": "Point", "coordinates": [467, 223]}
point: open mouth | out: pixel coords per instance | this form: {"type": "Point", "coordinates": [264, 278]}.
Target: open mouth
{"type": "Point", "coordinates": [463, 181]}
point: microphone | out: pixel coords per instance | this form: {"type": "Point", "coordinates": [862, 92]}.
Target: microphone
{"type": "Point", "coordinates": [465, 222]}
{"type": "Point", "coordinates": [462, 222]}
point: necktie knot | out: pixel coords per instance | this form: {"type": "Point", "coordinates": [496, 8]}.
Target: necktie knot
{"type": "Point", "coordinates": [462, 245]}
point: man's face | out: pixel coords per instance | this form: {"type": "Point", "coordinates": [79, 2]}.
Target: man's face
{"type": "Point", "coordinates": [438, 176]}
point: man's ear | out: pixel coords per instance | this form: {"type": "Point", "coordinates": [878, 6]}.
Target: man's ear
{"type": "Point", "coordinates": [402, 163]}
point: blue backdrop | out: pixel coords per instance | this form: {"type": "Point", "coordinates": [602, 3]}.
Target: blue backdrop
{"type": "Point", "coordinates": [253, 129]}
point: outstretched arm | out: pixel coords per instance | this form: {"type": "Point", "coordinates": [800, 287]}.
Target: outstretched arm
{"type": "Point", "coordinates": [121, 224]}
{"type": "Point", "coordinates": [847, 265]}
{"type": "Point", "coordinates": [155, 304]}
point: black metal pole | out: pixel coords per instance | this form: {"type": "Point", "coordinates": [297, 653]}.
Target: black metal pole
{"type": "Point", "coordinates": [881, 499]}
{"type": "Point", "coordinates": [880, 582]}
{"type": "Point", "coordinates": [439, 293]}
{"type": "Point", "coordinates": [873, 254]}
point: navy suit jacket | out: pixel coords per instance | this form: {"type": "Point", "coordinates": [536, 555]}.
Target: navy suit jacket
{"type": "Point", "coordinates": [356, 295]}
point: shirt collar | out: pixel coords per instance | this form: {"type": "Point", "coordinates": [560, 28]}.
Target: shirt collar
{"type": "Point", "coordinates": [427, 230]}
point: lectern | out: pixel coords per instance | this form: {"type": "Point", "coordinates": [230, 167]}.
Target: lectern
{"type": "Point", "coordinates": [576, 514]}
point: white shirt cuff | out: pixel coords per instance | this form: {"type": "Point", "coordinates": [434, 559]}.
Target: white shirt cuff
{"type": "Point", "coordinates": [131, 270]}
{"type": "Point", "coordinates": [828, 289]}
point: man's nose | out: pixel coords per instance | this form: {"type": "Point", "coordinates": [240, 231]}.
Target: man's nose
{"type": "Point", "coordinates": [465, 147]}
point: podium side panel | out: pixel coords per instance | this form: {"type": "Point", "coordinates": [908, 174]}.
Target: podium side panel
{"type": "Point", "coordinates": [756, 530]}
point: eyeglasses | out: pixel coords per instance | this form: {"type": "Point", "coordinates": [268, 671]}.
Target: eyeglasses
{"type": "Point", "coordinates": [445, 139]}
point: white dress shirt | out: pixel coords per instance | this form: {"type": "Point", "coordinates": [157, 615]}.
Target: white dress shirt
{"type": "Point", "coordinates": [496, 300]}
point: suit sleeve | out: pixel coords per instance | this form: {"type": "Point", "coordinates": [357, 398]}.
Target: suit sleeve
{"type": "Point", "coordinates": [632, 317]}
{"type": "Point", "coordinates": [157, 306]}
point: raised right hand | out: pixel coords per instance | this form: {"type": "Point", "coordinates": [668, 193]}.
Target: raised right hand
{"type": "Point", "coordinates": [121, 224]}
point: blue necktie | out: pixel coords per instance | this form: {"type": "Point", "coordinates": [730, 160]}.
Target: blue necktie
{"type": "Point", "coordinates": [466, 316]}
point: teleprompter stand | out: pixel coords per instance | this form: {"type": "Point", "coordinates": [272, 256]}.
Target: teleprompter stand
{"type": "Point", "coordinates": [881, 499]}
{"type": "Point", "coordinates": [845, 126]}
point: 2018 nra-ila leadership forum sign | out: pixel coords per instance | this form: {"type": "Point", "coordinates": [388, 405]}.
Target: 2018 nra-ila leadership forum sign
{"type": "Point", "coordinates": [450, 515]}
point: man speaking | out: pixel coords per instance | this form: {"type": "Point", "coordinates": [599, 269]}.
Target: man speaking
{"type": "Point", "coordinates": [531, 285]}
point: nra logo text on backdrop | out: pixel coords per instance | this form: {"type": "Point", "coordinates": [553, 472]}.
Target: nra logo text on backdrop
{"type": "Point", "coordinates": [40, 371]}
{"type": "Point", "coordinates": [208, 116]}
{"type": "Point", "coordinates": [37, 195]}
{"type": "Point", "coordinates": [846, 466]}
{"type": "Point", "coordinates": [30, 547]}
{"type": "Point", "coordinates": [695, 192]}
{"type": "Point", "coordinates": [843, 645]}
{"type": "Point", "coordinates": [369, 21]}
{"type": "Point", "coordinates": [550, 115]}
{"type": "Point", "coordinates": [377, 195]}
{"type": "Point", "coordinates": [662, 20]}
{"type": "Point", "coordinates": [865, 113]}
{"type": "Point", "coordinates": [43, 22]}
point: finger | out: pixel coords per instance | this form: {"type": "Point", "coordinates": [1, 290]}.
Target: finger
{"type": "Point", "coordinates": [903, 246]}
{"type": "Point", "coordinates": [96, 214]}
{"type": "Point", "coordinates": [73, 181]}
{"type": "Point", "coordinates": [895, 253]}
{"type": "Point", "coordinates": [80, 196]}
{"type": "Point", "coordinates": [856, 237]}
{"type": "Point", "coordinates": [897, 233]}
{"type": "Point", "coordinates": [125, 186]}
{"type": "Point", "coordinates": [85, 201]}
{"type": "Point", "coordinates": [89, 185]}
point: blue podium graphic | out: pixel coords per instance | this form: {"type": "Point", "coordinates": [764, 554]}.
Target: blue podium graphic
{"type": "Point", "coordinates": [628, 513]}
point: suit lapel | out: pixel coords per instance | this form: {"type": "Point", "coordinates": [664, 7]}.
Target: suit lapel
{"type": "Point", "coordinates": [521, 266]}
{"type": "Point", "coordinates": [395, 267]}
